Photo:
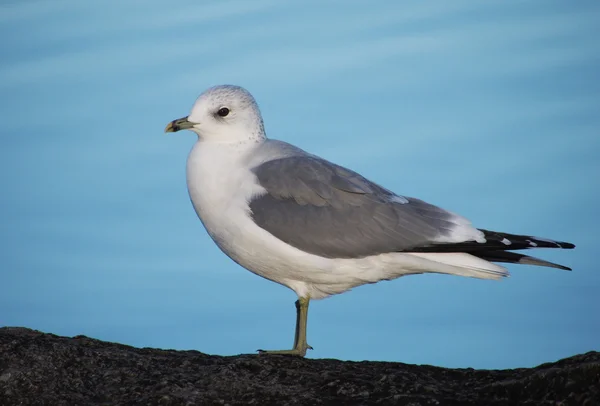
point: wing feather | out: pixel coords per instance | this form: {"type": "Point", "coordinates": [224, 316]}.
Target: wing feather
{"type": "Point", "coordinates": [328, 210]}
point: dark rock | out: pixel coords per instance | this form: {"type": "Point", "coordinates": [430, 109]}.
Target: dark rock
{"type": "Point", "coordinates": [44, 369]}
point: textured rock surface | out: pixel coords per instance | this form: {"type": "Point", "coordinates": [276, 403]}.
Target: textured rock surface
{"type": "Point", "coordinates": [38, 368]}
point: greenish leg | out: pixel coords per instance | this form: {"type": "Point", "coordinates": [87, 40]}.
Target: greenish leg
{"type": "Point", "coordinates": [300, 344]}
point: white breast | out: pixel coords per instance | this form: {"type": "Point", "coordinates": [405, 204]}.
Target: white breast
{"type": "Point", "coordinates": [220, 185]}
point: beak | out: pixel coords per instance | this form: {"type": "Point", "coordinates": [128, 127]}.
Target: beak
{"type": "Point", "coordinates": [179, 124]}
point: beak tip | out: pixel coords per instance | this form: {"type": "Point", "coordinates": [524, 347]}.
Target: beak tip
{"type": "Point", "coordinates": [178, 125]}
{"type": "Point", "coordinates": [169, 128]}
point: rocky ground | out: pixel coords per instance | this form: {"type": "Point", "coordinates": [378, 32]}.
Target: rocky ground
{"type": "Point", "coordinates": [38, 368]}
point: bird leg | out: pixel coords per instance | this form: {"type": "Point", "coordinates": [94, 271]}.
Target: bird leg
{"type": "Point", "coordinates": [300, 344]}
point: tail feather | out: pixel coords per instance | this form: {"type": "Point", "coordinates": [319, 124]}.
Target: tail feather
{"type": "Point", "coordinates": [458, 263]}
{"type": "Point", "coordinates": [514, 258]}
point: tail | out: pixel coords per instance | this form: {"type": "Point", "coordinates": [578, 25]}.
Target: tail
{"type": "Point", "coordinates": [514, 258]}
{"type": "Point", "coordinates": [455, 263]}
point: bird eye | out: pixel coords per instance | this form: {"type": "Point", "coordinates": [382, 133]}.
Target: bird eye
{"type": "Point", "coordinates": [223, 112]}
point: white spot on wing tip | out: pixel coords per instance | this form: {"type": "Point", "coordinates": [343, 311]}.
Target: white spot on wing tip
{"type": "Point", "coordinates": [505, 241]}
{"type": "Point", "coordinates": [532, 243]}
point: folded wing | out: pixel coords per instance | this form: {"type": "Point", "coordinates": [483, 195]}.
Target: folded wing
{"type": "Point", "coordinates": [330, 211]}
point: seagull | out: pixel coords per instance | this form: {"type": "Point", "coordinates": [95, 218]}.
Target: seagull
{"type": "Point", "coordinates": [316, 227]}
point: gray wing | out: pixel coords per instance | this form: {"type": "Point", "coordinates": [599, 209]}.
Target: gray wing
{"type": "Point", "coordinates": [330, 211]}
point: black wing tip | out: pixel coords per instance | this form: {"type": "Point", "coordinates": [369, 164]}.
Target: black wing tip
{"type": "Point", "coordinates": [536, 242]}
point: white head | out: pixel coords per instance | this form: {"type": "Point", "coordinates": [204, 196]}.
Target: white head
{"type": "Point", "coordinates": [224, 114]}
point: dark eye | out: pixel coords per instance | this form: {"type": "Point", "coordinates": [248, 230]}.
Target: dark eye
{"type": "Point", "coordinates": [223, 112]}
